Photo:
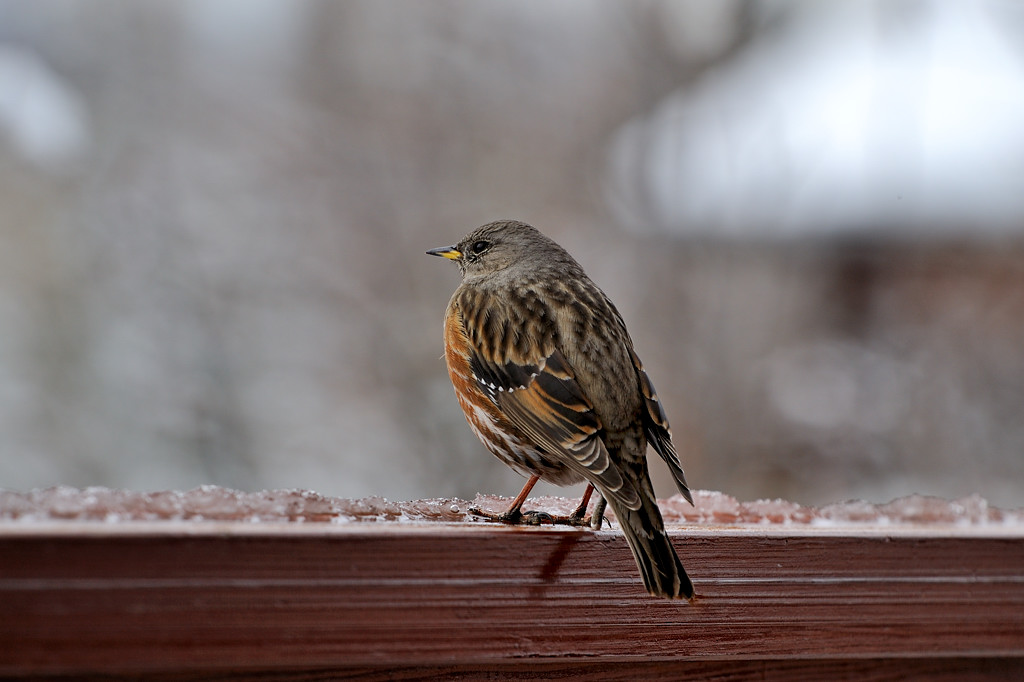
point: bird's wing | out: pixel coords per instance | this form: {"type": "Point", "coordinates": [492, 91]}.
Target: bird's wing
{"type": "Point", "coordinates": [546, 403]}
{"type": "Point", "coordinates": [657, 429]}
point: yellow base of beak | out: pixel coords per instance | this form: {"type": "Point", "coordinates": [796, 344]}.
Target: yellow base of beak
{"type": "Point", "coordinates": [449, 252]}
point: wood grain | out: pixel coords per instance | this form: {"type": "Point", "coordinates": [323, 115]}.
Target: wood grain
{"type": "Point", "coordinates": [194, 601]}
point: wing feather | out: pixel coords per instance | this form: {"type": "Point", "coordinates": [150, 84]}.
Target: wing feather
{"type": "Point", "coordinates": [656, 427]}
{"type": "Point", "coordinates": [545, 401]}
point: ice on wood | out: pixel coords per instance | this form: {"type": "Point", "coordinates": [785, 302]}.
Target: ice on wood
{"type": "Point", "coordinates": [213, 503]}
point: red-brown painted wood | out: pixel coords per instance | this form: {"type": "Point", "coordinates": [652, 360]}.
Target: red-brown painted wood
{"type": "Point", "coordinates": [181, 600]}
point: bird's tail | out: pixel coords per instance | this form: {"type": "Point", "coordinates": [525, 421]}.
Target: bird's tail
{"type": "Point", "coordinates": [660, 567]}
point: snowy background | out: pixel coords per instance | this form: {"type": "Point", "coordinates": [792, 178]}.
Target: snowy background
{"type": "Point", "coordinates": [213, 215]}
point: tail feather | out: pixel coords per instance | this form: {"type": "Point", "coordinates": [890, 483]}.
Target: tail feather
{"type": "Point", "coordinates": [662, 571]}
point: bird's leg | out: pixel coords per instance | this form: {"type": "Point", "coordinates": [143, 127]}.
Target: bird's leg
{"type": "Point", "coordinates": [515, 514]}
{"type": "Point", "coordinates": [580, 518]}
{"type": "Point", "coordinates": [581, 511]}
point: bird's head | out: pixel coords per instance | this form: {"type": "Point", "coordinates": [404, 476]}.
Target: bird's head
{"type": "Point", "coordinates": [500, 245]}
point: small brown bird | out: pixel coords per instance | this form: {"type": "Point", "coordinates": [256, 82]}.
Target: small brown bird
{"type": "Point", "coordinates": [545, 371]}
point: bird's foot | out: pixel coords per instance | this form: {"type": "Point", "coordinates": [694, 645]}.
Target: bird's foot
{"type": "Point", "coordinates": [580, 518]}
{"type": "Point", "coordinates": [516, 517]}
{"type": "Point", "coordinates": [511, 517]}
{"type": "Point", "coordinates": [577, 518]}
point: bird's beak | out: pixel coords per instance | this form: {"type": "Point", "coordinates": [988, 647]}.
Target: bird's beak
{"type": "Point", "coordinates": [449, 252]}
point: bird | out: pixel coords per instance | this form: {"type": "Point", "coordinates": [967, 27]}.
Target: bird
{"type": "Point", "coordinates": [546, 374]}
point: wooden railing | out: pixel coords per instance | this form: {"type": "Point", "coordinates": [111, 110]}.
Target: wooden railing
{"type": "Point", "coordinates": [416, 590]}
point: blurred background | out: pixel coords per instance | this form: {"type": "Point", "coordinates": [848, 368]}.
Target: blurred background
{"type": "Point", "coordinates": [213, 215]}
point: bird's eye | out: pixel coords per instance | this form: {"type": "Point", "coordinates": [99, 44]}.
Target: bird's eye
{"type": "Point", "coordinates": [480, 246]}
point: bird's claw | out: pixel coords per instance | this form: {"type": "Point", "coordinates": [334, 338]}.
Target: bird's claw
{"type": "Point", "coordinates": [536, 518]}
{"type": "Point", "coordinates": [532, 518]}
{"type": "Point", "coordinates": [511, 517]}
